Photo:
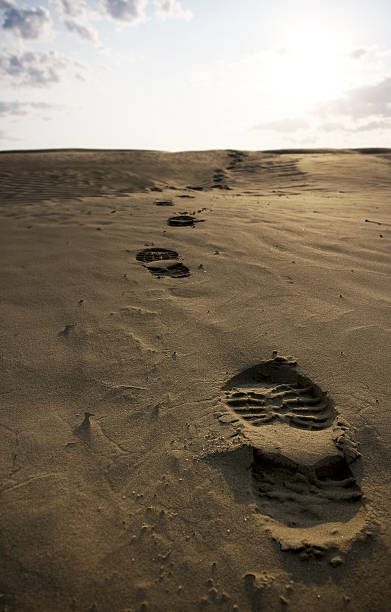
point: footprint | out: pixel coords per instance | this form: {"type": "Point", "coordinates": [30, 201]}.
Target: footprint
{"type": "Point", "coordinates": [275, 391]}
{"type": "Point", "coordinates": [177, 270]}
{"type": "Point", "coordinates": [302, 497]}
{"type": "Point", "coordinates": [156, 254]}
{"type": "Point", "coordinates": [219, 180]}
{"type": "Point", "coordinates": [302, 450]}
{"type": "Point", "coordinates": [183, 221]}
{"type": "Point", "coordinates": [173, 270]}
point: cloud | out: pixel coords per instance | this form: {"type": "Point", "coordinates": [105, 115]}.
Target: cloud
{"type": "Point", "coordinates": [34, 69]}
{"type": "Point", "coordinates": [73, 8]}
{"type": "Point", "coordinates": [74, 14]}
{"type": "Point", "coordinates": [171, 8]}
{"type": "Point", "coordinates": [368, 101]}
{"type": "Point", "coordinates": [5, 136]}
{"type": "Point", "coordinates": [284, 125]}
{"type": "Point", "coordinates": [358, 53]}
{"type": "Point", "coordinates": [131, 11]}
{"type": "Point", "coordinates": [369, 126]}
{"type": "Point", "coordinates": [25, 108]}
{"type": "Point", "coordinates": [85, 31]}
{"type": "Point", "coordinates": [26, 23]}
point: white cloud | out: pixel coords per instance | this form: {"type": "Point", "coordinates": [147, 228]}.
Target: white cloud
{"type": "Point", "coordinates": [358, 53]}
{"type": "Point", "coordinates": [73, 8]}
{"type": "Point", "coordinates": [360, 110]}
{"type": "Point", "coordinates": [5, 5]}
{"type": "Point", "coordinates": [171, 8]}
{"type": "Point", "coordinates": [31, 110]}
{"type": "Point", "coordinates": [34, 69]}
{"type": "Point", "coordinates": [368, 126]}
{"type": "Point", "coordinates": [5, 136]}
{"type": "Point", "coordinates": [371, 101]}
{"type": "Point", "coordinates": [26, 23]}
{"type": "Point", "coordinates": [131, 11]}
{"type": "Point", "coordinates": [74, 15]}
{"type": "Point", "coordinates": [23, 108]}
{"type": "Point", "coordinates": [84, 30]}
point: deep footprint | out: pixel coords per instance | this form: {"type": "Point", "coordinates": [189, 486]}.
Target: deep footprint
{"type": "Point", "coordinates": [302, 450]}
{"type": "Point", "coordinates": [156, 254]}
{"type": "Point", "coordinates": [275, 391]}
{"type": "Point", "coordinates": [177, 270]}
{"type": "Point", "coordinates": [183, 221]}
{"type": "Point", "coordinates": [302, 497]}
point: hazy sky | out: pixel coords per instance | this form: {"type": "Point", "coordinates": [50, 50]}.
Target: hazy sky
{"type": "Point", "coordinates": [195, 74]}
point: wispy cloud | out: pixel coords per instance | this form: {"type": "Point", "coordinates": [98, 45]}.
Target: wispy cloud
{"type": "Point", "coordinates": [6, 136]}
{"type": "Point", "coordinates": [73, 8]}
{"type": "Point", "coordinates": [366, 101]}
{"type": "Point", "coordinates": [84, 30]}
{"type": "Point", "coordinates": [171, 8]}
{"type": "Point", "coordinates": [366, 126]}
{"type": "Point", "coordinates": [26, 108]}
{"type": "Point", "coordinates": [358, 53]}
{"type": "Point", "coordinates": [75, 15]}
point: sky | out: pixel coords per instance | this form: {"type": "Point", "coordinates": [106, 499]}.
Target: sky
{"type": "Point", "coordinates": [179, 75]}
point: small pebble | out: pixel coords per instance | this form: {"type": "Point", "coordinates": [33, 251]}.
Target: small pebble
{"type": "Point", "coordinates": [336, 561]}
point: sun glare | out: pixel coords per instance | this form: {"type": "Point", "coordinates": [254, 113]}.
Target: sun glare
{"type": "Point", "coordinates": [313, 65]}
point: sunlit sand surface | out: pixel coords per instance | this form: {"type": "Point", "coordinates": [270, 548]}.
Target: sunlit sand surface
{"type": "Point", "coordinates": [195, 366]}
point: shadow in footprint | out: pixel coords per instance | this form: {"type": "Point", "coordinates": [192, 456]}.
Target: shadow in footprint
{"type": "Point", "coordinates": [183, 221]}
{"type": "Point", "coordinates": [177, 270]}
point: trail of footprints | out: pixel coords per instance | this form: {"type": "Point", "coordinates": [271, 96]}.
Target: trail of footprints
{"type": "Point", "coordinates": [275, 393]}
{"type": "Point", "coordinates": [172, 268]}
{"type": "Point", "coordinates": [298, 495]}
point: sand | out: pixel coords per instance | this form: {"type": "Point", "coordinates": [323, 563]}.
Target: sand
{"type": "Point", "coordinates": [195, 367]}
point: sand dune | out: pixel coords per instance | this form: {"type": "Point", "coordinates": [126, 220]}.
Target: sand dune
{"type": "Point", "coordinates": [195, 361]}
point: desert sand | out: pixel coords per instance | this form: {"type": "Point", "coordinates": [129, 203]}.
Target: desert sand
{"type": "Point", "coordinates": [195, 368]}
